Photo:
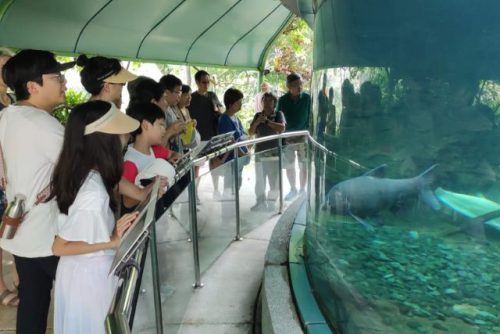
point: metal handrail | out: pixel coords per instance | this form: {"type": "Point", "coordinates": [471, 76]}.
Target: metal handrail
{"type": "Point", "coordinates": [335, 155]}
{"type": "Point", "coordinates": [123, 300]}
{"type": "Point", "coordinates": [249, 142]}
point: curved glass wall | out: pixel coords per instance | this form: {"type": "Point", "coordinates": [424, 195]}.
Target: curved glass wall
{"type": "Point", "coordinates": [414, 89]}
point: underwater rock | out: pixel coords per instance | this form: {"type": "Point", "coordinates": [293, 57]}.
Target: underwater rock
{"type": "Point", "coordinates": [450, 291]}
{"type": "Point", "coordinates": [465, 310]}
{"type": "Point", "coordinates": [413, 235]}
{"type": "Point", "coordinates": [441, 327]}
{"type": "Point", "coordinates": [380, 256]}
{"type": "Point", "coordinates": [414, 324]}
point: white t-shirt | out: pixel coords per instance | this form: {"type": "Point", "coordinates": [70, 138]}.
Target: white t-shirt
{"type": "Point", "coordinates": [31, 141]}
{"type": "Point", "coordinates": [89, 218]}
{"type": "Point", "coordinates": [259, 106]}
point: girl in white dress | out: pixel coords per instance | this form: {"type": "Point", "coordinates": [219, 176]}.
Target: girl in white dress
{"type": "Point", "coordinates": [84, 181]}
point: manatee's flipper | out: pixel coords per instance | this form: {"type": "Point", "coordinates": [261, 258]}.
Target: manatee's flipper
{"type": "Point", "coordinates": [377, 171]}
{"type": "Point", "coordinates": [428, 197]}
{"type": "Point", "coordinates": [362, 222]}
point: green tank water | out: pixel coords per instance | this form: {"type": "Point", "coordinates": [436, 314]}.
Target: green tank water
{"type": "Point", "coordinates": [408, 84]}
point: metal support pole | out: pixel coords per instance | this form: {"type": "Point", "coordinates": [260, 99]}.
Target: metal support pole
{"type": "Point", "coordinates": [237, 237]}
{"type": "Point", "coordinates": [156, 280]}
{"type": "Point", "coordinates": [309, 172]}
{"type": "Point", "coordinates": [194, 230]}
{"type": "Point", "coordinates": [261, 79]}
{"type": "Point", "coordinates": [280, 173]}
{"type": "Point", "coordinates": [323, 173]}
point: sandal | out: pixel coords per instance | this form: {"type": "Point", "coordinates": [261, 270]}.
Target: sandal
{"type": "Point", "coordinates": [9, 298]}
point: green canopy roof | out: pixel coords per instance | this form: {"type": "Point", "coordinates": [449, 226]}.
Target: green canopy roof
{"type": "Point", "coordinates": [234, 33]}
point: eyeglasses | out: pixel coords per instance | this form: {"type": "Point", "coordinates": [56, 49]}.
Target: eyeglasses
{"type": "Point", "coordinates": [59, 76]}
{"type": "Point", "coordinates": [117, 84]}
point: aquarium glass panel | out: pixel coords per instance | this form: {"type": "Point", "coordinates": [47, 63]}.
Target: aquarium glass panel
{"type": "Point", "coordinates": [403, 231]}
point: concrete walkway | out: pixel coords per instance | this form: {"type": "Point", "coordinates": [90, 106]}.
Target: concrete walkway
{"type": "Point", "coordinates": [226, 303]}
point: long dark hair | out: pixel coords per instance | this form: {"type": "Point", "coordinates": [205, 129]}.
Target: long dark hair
{"type": "Point", "coordinates": [80, 154]}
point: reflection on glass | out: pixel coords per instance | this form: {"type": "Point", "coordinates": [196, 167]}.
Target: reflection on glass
{"type": "Point", "coordinates": [266, 180]}
{"type": "Point", "coordinates": [406, 248]}
{"type": "Point", "coordinates": [144, 319]}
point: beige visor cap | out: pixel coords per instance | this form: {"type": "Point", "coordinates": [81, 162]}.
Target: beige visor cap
{"type": "Point", "coordinates": [113, 122]}
{"type": "Point", "coordinates": [121, 77]}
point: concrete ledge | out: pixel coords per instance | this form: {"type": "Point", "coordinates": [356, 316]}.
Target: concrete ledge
{"type": "Point", "coordinates": [278, 309]}
{"type": "Point", "coordinates": [277, 251]}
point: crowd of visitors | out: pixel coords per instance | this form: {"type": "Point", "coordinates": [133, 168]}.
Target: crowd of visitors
{"type": "Point", "coordinates": [82, 182]}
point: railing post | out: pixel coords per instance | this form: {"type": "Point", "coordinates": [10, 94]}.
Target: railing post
{"type": "Point", "coordinates": [156, 281]}
{"type": "Point", "coordinates": [309, 173]}
{"type": "Point", "coordinates": [280, 172]}
{"type": "Point", "coordinates": [237, 237]}
{"type": "Point", "coordinates": [194, 229]}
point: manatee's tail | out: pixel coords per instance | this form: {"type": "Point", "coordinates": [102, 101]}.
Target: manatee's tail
{"type": "Point", "coordinates": [426, 194]}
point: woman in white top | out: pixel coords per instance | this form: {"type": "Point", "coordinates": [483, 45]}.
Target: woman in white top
{"type": "Point", "coordinates": [84, 181]}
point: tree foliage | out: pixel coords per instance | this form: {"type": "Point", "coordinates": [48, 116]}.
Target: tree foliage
{"type": "Point", "coordinates": [73, 98]}
{"type": "Point", "coordinates": [291, 52]}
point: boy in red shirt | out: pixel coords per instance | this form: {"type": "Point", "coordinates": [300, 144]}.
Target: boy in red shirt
{"type": "Point", "coordinates": [146, 146]}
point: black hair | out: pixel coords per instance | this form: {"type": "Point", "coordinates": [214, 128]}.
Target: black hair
{"type": "Point", "coordinates": [95, 70]}
{"type": "Point", "coordinates": [145, 111]}
{"type": "Point", "coordinates": [170, 81]}
{"type": "Point", "coordinates": [292, 77]}
{"type": "Point", "coordinates": [25, 66]}
{"type": "Point", "coordinates": [270, 95]}
{"type": "Point", "coordinates": [231, 96]}
{"type": "Point", "coordinates": [83, 153]}
{"type": "Point", "coordinates": [200, 74]}
{"type": "Point", "coordinates": [185, 89]}
{"type": "Point", "coordinates": [146, 90]}
{"type": "Point", "coordinates": [133, 84]}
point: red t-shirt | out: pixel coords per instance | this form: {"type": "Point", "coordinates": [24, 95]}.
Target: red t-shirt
{"type": "Point", "coordinates": [136, 161]}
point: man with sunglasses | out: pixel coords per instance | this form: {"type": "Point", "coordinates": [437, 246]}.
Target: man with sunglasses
{"type": "Point", "coordinates": [205, 108]}
{"type": "Point", "coordinates": [31, 140]}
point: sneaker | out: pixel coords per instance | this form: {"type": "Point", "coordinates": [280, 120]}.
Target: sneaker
{"type": "Point", "coordinates": [259, 206]}
{"type": "Point", "coordinates": [290, 195]}
{"type": "Point", "coordinates": [302, 192]}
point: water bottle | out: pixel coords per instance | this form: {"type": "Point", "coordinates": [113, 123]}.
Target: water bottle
{"type": "Point", "coordinates": [12, 217]}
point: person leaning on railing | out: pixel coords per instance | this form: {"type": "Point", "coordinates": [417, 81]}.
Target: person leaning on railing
{"type": "Point", "coordinates": [150, 91]}
{"type": "Point", "coordinates": [83, 185]}
{"type": "Point", "coordinates": [228, 122]}
{"type": "Point", "coordinates": [266, 123]}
